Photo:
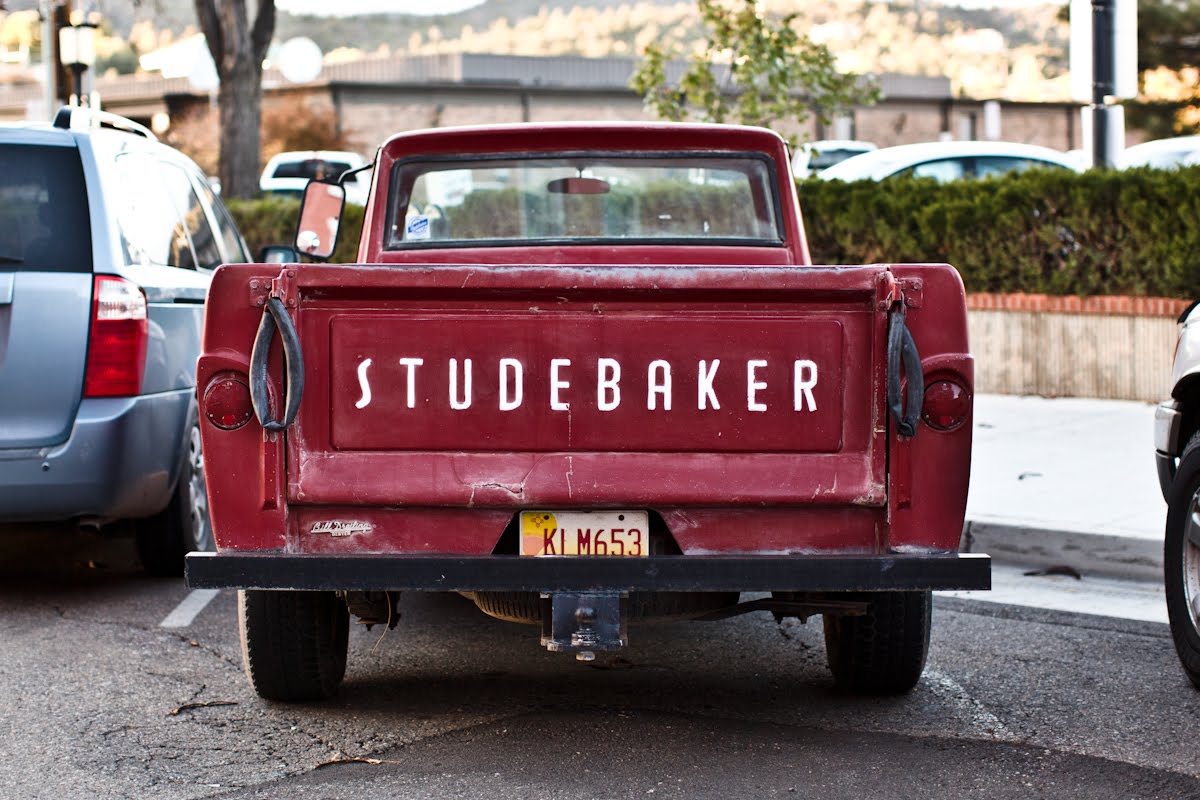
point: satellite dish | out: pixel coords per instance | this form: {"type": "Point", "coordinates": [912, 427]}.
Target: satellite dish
{"type": "Point", "coordinates": [299, 60]}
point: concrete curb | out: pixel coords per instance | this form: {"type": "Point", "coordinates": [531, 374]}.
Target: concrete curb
{"type": "Point", "coordinates": [1097, 554]}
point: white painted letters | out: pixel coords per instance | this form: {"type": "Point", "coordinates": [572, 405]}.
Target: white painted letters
{"type": "Point", "coordinates": [804, 380]}
{"type": "Point", "coordinates": [558, 384]}
{"type": "Point", "coordinates": [365, 400]}
{"type": "Point", "coordinates": [608, 384]}
{"type": "Point", "coordinates": [706, 397]}
{"type": "Point", "coordinates": [658, 380]}
{"type": "Point", "coordinates": [753, 385]}
{"type": "Point", "coordinates": [555, 376]}
{"type": "Point", "coordinates": [412, 364]}
{"type": "Point", "coordinates": [455, 403]}
{"type": "Point", "coordinates": [510, 398]}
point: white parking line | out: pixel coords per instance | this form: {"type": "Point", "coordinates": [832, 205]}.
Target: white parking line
{"type": "Point", "coordinates": [186, 612]}
{"type": "Point", "coordinates": [986, 724]}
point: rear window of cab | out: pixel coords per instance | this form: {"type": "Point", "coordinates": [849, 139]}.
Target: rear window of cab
{"type": "Point", "coordinates": [579, 198]}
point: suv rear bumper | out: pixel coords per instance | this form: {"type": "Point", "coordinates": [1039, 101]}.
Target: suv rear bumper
{"type": "Point", "coordinates": [121, 461]}
{"type": "Point", "coordinates": [798, 573]}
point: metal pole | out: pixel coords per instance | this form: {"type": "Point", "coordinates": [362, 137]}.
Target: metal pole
{"type": "Point", "coordinates": [1103, 79]}
{"type": "Point", "coordinates": [78, 69]}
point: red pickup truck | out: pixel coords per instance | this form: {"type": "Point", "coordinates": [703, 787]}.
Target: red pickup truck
{"type": "Point", "coordinates": [585, 375]}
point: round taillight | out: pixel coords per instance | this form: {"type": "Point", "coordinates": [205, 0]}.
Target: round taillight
{"type": "Point", "coordinates": [227, 403]}
{"type": "Point", "coordinates": [946, 405]}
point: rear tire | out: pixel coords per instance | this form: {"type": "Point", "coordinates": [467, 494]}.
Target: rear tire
{"type": "Point", "coordinates": [1181, 560]}
{"type": "Point", "coordinates": [293, 643]}
{"type": "Point", "coordinates": [883, 651]}
{"type": "Point", "coordinates": [183, 526]}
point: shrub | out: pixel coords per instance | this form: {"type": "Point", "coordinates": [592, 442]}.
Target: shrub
{"type": "Point", "coordinates": [1120, 233]}
{"type": "Point", "coordinates": [1117, 233]}
{"type": "Point", "coordinates": [272, 220]}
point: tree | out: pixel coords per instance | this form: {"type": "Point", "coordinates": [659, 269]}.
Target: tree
{"type": "Point", "coordinates": [1168, 40]}
{"type": "Point", "coordinates": [1168, 34]}
{"type": "Point", "coordinates": [238, 49]}
{"type": "Point", "coordinates": [752, 70]}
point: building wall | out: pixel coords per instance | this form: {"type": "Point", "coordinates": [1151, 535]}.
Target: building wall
{"type": "Point", "coordinates": [371, 113]}
{"type": "Point", "coordinates": [899, 122]}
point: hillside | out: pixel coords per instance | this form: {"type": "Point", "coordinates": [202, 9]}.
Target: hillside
{"type": "Point", "coordinates": [1018, 53]}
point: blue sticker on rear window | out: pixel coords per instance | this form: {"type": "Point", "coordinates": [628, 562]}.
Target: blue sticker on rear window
{"type": "Point", "coordinates": [417, 227]}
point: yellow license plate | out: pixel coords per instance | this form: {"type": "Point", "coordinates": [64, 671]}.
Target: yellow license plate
{"type": "Point", "coordinates": [585, 533]}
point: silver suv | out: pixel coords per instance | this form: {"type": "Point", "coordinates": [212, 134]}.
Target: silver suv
{"type": "Point", "coordinates": [108, 240]}
{"type": "Point", "coordinates": [1177, 449]}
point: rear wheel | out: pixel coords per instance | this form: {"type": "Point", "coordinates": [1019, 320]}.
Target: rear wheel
{"type": "Point", "coordinates": [882, 651]}
{"type": "Point", "coordinates": [293, 643]}
{"type": "Point", "coordinates": [183, 526]}
{"type": "Point", "coordinates": [1181, 560]}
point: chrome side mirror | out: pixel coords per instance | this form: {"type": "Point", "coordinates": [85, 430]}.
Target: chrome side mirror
{"type": "Point", "coordinates": [320, 218]}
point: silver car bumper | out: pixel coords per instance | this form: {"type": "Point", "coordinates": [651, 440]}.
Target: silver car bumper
{"type": "Point", "coordinates": [121, 461]}
{"type": "Point", "coordinates": [1167, 421]}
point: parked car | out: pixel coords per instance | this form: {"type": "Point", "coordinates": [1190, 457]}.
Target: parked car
{"type": "Point", "coordinates": [1177, 151]}
{"type": "Point", "coordinates": [288, 173]}
{"type": "Point", "coordinates": [107, 243]}
{"type": "Point", "coordinates": [1177, 451]}
{"type": "Point", "coordinates": [948, 161]}
{"type": "Point", "coordinates": [813, 157]}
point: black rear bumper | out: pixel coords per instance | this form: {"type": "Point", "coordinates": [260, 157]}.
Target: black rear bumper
{"type": "Point", "coordinates": [436, 573]}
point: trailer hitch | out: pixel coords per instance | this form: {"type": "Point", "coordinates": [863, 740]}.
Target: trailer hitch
{"type": "Point", "coordinates": [583, 622]}
{"type": "Point", "coordinates": [275, 317]}
{"type": "Point", "coordinates": [902, 351]}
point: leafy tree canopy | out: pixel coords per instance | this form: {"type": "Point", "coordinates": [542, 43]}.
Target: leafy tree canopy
{"type": "Point", "coordinates": [751, 70]}
{"type": "Point", "coordinates": [1168, 34]}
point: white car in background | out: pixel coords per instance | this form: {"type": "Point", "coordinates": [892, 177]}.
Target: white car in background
{"type": "Point", "coordinates": [948, 161]}
{"type": "Point", "coordinates": [813, 157]}
{"type": "Point", "coordinates": [1178, 151]}
{"type": "Point", "coordinates": [288, 173]}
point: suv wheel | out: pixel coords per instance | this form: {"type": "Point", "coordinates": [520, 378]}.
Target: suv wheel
{"type": "Point", "coordinates": [1181, 560]}
{"type": "Point", "coordinates": [183, 526]}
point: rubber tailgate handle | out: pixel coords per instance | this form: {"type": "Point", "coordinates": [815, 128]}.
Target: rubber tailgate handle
{"type": "Point", "coordinates": [275, 317]}
{"type": "Point", "coordinates": [902, 351]}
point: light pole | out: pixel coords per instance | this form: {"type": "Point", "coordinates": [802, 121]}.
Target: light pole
{"type": "Point", "coordinates": [77, 50]}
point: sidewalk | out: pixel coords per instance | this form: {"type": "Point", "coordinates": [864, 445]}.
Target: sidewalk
{"type": "Point", "coordinates": [1066, 481]}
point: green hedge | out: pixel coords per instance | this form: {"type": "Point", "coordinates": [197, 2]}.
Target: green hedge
{"type": "Point", "coordinates": [272, 220]}
{"type": "Point", "coordinates": [1122, 233]}
{"type": "Point", "coordinates": [1135, 232]}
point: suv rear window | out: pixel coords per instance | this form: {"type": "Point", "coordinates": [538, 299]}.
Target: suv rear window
{"type": "Point", "coordinates": [685, 198]}
{"type": "Point", "coordinates": [44, 225]}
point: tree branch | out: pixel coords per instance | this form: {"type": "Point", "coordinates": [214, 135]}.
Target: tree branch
{"type": "Point", "coordinates": [264, 29]}
{"type": "Point", "coordinates": [210, 26]}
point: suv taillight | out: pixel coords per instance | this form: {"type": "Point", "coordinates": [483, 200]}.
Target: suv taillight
{"type": "Point", "coordinates": [117, 345]}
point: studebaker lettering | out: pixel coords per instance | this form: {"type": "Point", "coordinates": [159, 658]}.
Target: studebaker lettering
{"type": "Point", "coordinates": [659, 395]}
